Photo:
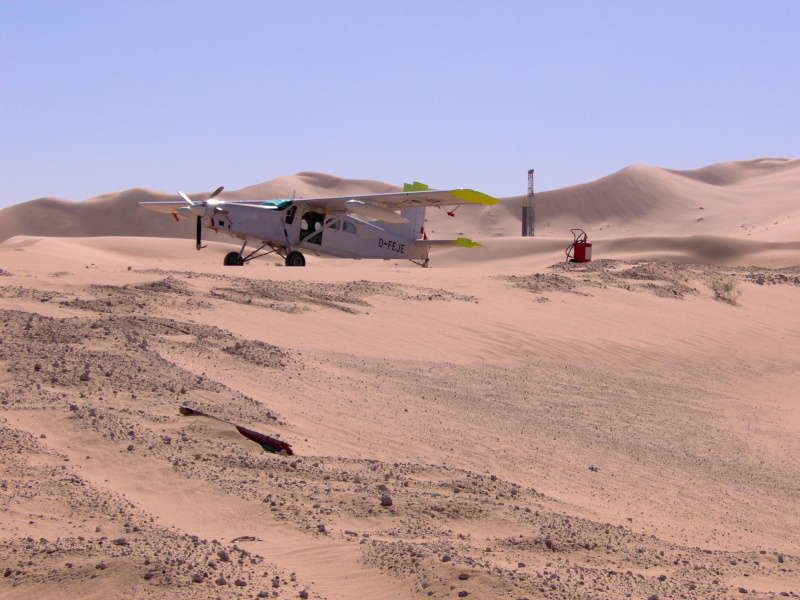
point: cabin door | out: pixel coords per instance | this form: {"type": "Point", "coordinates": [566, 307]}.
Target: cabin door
{"type": "Point", "coordinates": [311, 227]}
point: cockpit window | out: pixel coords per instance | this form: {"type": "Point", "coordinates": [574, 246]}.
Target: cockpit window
{"type": "Point", "coordinates": [348, 227]}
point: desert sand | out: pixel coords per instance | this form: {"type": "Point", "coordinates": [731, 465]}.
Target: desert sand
{"type": "Point", "coordinates": [501, 425]}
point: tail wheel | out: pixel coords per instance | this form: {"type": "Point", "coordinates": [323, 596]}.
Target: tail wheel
{"type": "Point", "coordinates": [233, 259]}
{"type": "Point", "coordinates": [295, 259]}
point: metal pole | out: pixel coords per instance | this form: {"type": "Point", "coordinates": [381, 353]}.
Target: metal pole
{"type": "Point", "coordinates": [524, 218]}
{"type": "Point", "coordinates": [531, 213]}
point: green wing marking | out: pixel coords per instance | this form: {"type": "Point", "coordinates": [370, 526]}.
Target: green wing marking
{"type": "Point", "coordinates": [466, 242]}
{"type": "Point", "coordinates": [461, 193]}
{"type": "Point", "coordinates": [473, 196]}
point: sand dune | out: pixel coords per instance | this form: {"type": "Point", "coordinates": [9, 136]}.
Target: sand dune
{"type": "Point", "coordinates": [503, 425]}
{"type": "Point", "coordinates": [755, 199]}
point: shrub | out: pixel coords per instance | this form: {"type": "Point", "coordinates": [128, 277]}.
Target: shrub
{"type": "Point", "coordinates": [726, 290]}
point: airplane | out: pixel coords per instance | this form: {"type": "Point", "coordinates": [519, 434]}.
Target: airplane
{"type": "Point", "coordinates": [361, 226]}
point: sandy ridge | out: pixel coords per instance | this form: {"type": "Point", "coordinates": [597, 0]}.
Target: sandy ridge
{"type": "Point", "coordinates": [653, 461]}
{"type": "Point", "coordinates": [502, 425]}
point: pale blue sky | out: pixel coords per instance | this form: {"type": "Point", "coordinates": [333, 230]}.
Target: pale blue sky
{"type": "Point", "coordinates": [98, 96]}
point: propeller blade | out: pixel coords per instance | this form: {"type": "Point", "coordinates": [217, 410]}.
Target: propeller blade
{"type": "Point", "coordinates": [187, 411]}
{"type": "Point", "coordinates": [216, 192]}
{"type": "Point", "coordinates": [269, 444]}
{"type": "Point", "coordinates": [185, 197]}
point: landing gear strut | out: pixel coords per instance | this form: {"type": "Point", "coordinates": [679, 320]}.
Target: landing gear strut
{"type": "Point", "coordinates": [237, 259]}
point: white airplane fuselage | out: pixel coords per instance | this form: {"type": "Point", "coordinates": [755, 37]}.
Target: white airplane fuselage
{"type": "Point", "coordinates": [386, 225]}
{"type": "Point", "coordinates": [282, 224]}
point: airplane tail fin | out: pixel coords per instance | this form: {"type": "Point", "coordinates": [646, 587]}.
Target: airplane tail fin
{"type": "Point", "coordinates": [414, 187]}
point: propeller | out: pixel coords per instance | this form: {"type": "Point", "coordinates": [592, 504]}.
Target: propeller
{"type": "Point", "coordinates": [200, 209]}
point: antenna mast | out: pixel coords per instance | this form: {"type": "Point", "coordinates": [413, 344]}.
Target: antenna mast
{"type": "Point", "coordinates": [528, 211]}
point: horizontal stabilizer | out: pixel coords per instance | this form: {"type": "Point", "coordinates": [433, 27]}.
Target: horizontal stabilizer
{"type": "Point", "coordinates": [462, 241]}
{"type": "Point", "coordinates": [466, 242]}
{"type": "Point", "coordinates": [414, 187]}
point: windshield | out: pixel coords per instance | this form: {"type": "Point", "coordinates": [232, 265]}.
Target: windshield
{"type": "Point", "coordinates": [280, 204]}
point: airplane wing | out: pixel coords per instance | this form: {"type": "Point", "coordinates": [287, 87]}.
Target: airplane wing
{"type": "Point", "coordinates": [167, 207]}
{"type": "Point", "coordinates": [380, 206]}
{"type": "Point", "coordinates": [409, 198]}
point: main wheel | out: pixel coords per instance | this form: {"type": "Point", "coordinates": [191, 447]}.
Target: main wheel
{"type": "Point", "coordinates": [295, 259]}
{"type": "Point", "coordinates": [233, 259]}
